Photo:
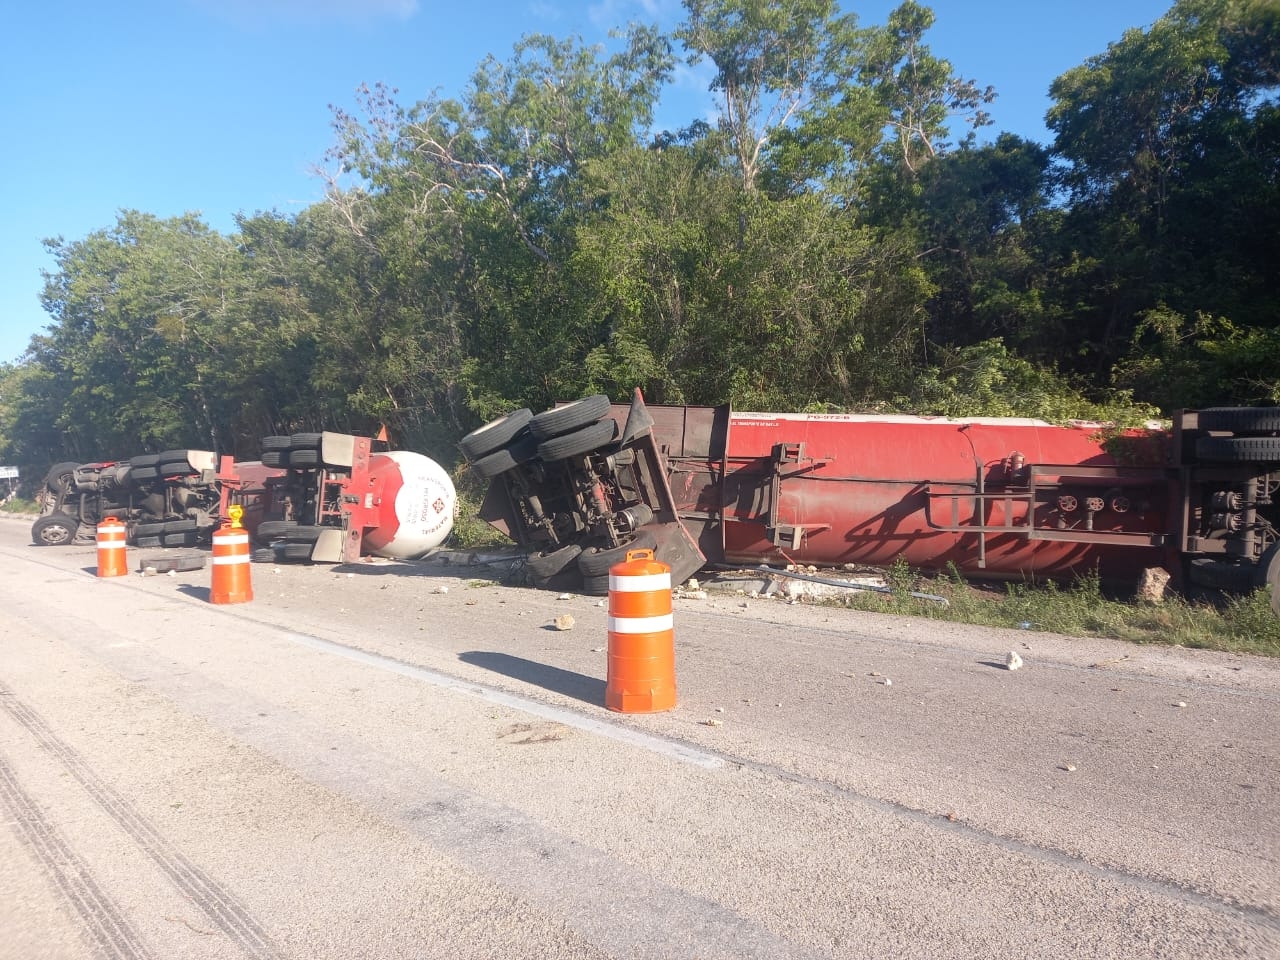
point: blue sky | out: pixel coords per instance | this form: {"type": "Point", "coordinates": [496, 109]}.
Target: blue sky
{"type": "Point", "coordinates": [220, 106]}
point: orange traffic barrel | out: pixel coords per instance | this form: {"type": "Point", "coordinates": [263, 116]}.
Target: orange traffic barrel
{"type": "Point", "coordinates": [642, 640]}
{"type": "Point", "coordinates": [111, 559]}
{"type": "Point", "coordinates": [231, 556]}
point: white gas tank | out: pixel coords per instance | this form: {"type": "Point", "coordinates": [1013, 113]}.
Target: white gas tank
{"type": "Point", "coordinates": [416, 507]}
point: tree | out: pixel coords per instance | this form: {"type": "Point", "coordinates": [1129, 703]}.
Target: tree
{"type": "Point", "coordinates": [1169, 142]}
{"type": "Point", "coordinates": [769, 60]}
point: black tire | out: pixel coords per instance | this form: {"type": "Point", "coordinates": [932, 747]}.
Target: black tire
{"type": "Point", "coordinates": [139, 475]}
{"type": "Point", "coordinates": [173, 456]}
{"type": "Point", "coordinates": [495, 434]}
{"type": "Point", "coordinates": [1221, 574]}
{"type": "Point", "coordinates": [304, 533]}
{"type": "Point", "coordinates": [597, 586]}
{"type": "Point", "coordinates": [304, 458]}
{"type": "Point", "coordinates": [493, 464]}
{"type": "Point", "coordinates": [144, 460]}
{"type": "Point", "coordinates": [581, 441]}
{"type": "Point", "coordinates": [1244, 420]}
{"type": "Point", "coordinates": [595, 562]}
{"type": "Point", "coordinates": [148, 542]}
{"type": "Point", "coordinates": [296, 551]}
{"type": "Point", "coordinates": [269, 530]}
{"type": "Point", "coordinates": [545, 565]}
{"type": "Point", "coordinates": [262, 555]}
{"type": "Point", "coordinates": [58, 479]}
{"type": "Point", "coordinates": [275, 458]}
{"type": "Point", "coordinates": [276, 443]}
{"type": "Point", "coordinates": [54, 530]}
{"type": "Point", "coordinates": [1267, 574]}
{"type": "Point", "coordinates": [187, 539]}
{"type": "Point", "coordinates": [521, 450]}
{"type": "Point", "coordinates": [1239, 449]}
{"type": "Point", "coordinates": [571, 416]}
{"type": "Point", "coordinates": [149, 529]}
{"type": "Point", "coordinates": [304, 441]}
{"type": "Point", "coordinates": [176, 468]}
{"type": "Point", "coordinates": [179, 526]}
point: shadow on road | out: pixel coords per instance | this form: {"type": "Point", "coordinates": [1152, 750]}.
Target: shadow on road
{"type": "Point", "coordinates": [576, 685]}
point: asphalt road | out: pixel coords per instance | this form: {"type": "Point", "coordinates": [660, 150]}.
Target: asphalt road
{"type": "Point", "coordinates": [407, 761]}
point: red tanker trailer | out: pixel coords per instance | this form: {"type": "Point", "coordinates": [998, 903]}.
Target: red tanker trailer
{"type": "Point", "coordinates": [997, 497]}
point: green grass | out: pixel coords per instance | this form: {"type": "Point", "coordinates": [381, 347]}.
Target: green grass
{"type": "Point", "coordinates": [1244, 624]}
{"type": "Point", "coordinates": [18, 505]}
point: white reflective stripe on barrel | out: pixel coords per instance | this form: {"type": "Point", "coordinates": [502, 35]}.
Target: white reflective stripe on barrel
{"type": "Point", "coordinates": [642, 583]}
{"type": "Point", "coordinates": [110, 544]}
{"type": "Point", "coordinates": [233, 558]}
{"type": "Point", "coordinates": [231, 538]}
{"type": "Point", "coordinates": [641, 624]}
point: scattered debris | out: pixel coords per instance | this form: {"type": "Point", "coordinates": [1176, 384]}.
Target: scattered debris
{"type": "Point", "coordinates": [887, 682]}
{"type": "Point", "coordinates": [1152, 585]}
{"type": "Point", "coordinates": [1069, 767]}
{"type": "Point", "coordinates": [440, 589]}
{"type": "Point", "coordinates": [565, 596]}
{"type": "Point", "coordinates": [1181, 703]}
{"type": "Point", "coordinates": [713, 723]}
{"type": "Point", "coordinates": [564, 623]}
{"type": "Point", "coordinates": [1107, 663]}
{"type": "Point", "coordinates": [597, 649]}
{"type": "Point", "coordinates": [1012, 661]}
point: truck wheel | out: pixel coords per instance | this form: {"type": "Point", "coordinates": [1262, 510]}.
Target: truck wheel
{"type": "Point", "coordinates": [495, 434]}
{"type": "Point", "coordinates": [303, 458]}
{"type": "Point", "coordinates": [275, 458]}
{"type": "Point", "coordinates": [595, 562]}
{"type": "Point", "coordinates": [579, 442]}
{"type": "Point", "coordinates": [173, 456]}
{"type": "Point", "coordinates": [561, 420]}
{"type": "Point", "coordinates": [144, 460]}
{"type": "Point", "coordinates": [1221, 574]}
{"type": "Point", "coordinates": [139, 475]}
{"type": "Point", "coordinates": [295, 551]}
{"type": "Point", "coordinates": [304, 533]}
{"type": "Point", "coordinates": [1267, 574]}
{"type": "Point", "coordinates": [1239, 449]}
{"type": "Point", "coordinates": [156, 541]}
{"type": "Point", "coordinates": [60, 476]}
{"type": "Point", "coordinates": [276, 443]}
{"type": "Point", "coordinates": [597, 586]}
{"type": "Point", "coordinates": [304, 441]}
{"type": "Point", "coordinates": [187, 539]}
{"type": "Point", "coordinates": [543, 566]}
{"type": "Point", "coordinates": [1241, 419]}
{"type": "Point", "coordinates": [269, 530]}
{"type": "Point", "coordinates": [521, 450]}
{"type": "Point", "coordinates": [54, 530]}
{"type": "Point", "coordinates": [150, 529]}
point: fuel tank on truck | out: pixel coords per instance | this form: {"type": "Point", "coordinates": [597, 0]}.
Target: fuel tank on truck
{"type": "Point", "coordinates": [1002, 497]}
{"type": "Point", "coordinates": [414, 513]}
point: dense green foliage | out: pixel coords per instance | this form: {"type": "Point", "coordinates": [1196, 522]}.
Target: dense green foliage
{"type": "Point", "coordinates": [838, 239]}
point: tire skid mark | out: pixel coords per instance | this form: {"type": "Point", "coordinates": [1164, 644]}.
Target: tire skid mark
{"type": "Point", "coordinates": [206, 893]}
{"type": "Point", "coordinates": [112, 936]}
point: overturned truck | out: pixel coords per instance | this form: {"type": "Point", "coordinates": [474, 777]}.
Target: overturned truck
{"type": "Point", "coordinates": [579, 485]}
{"type": "Point", "coordinates": [171, 499]}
